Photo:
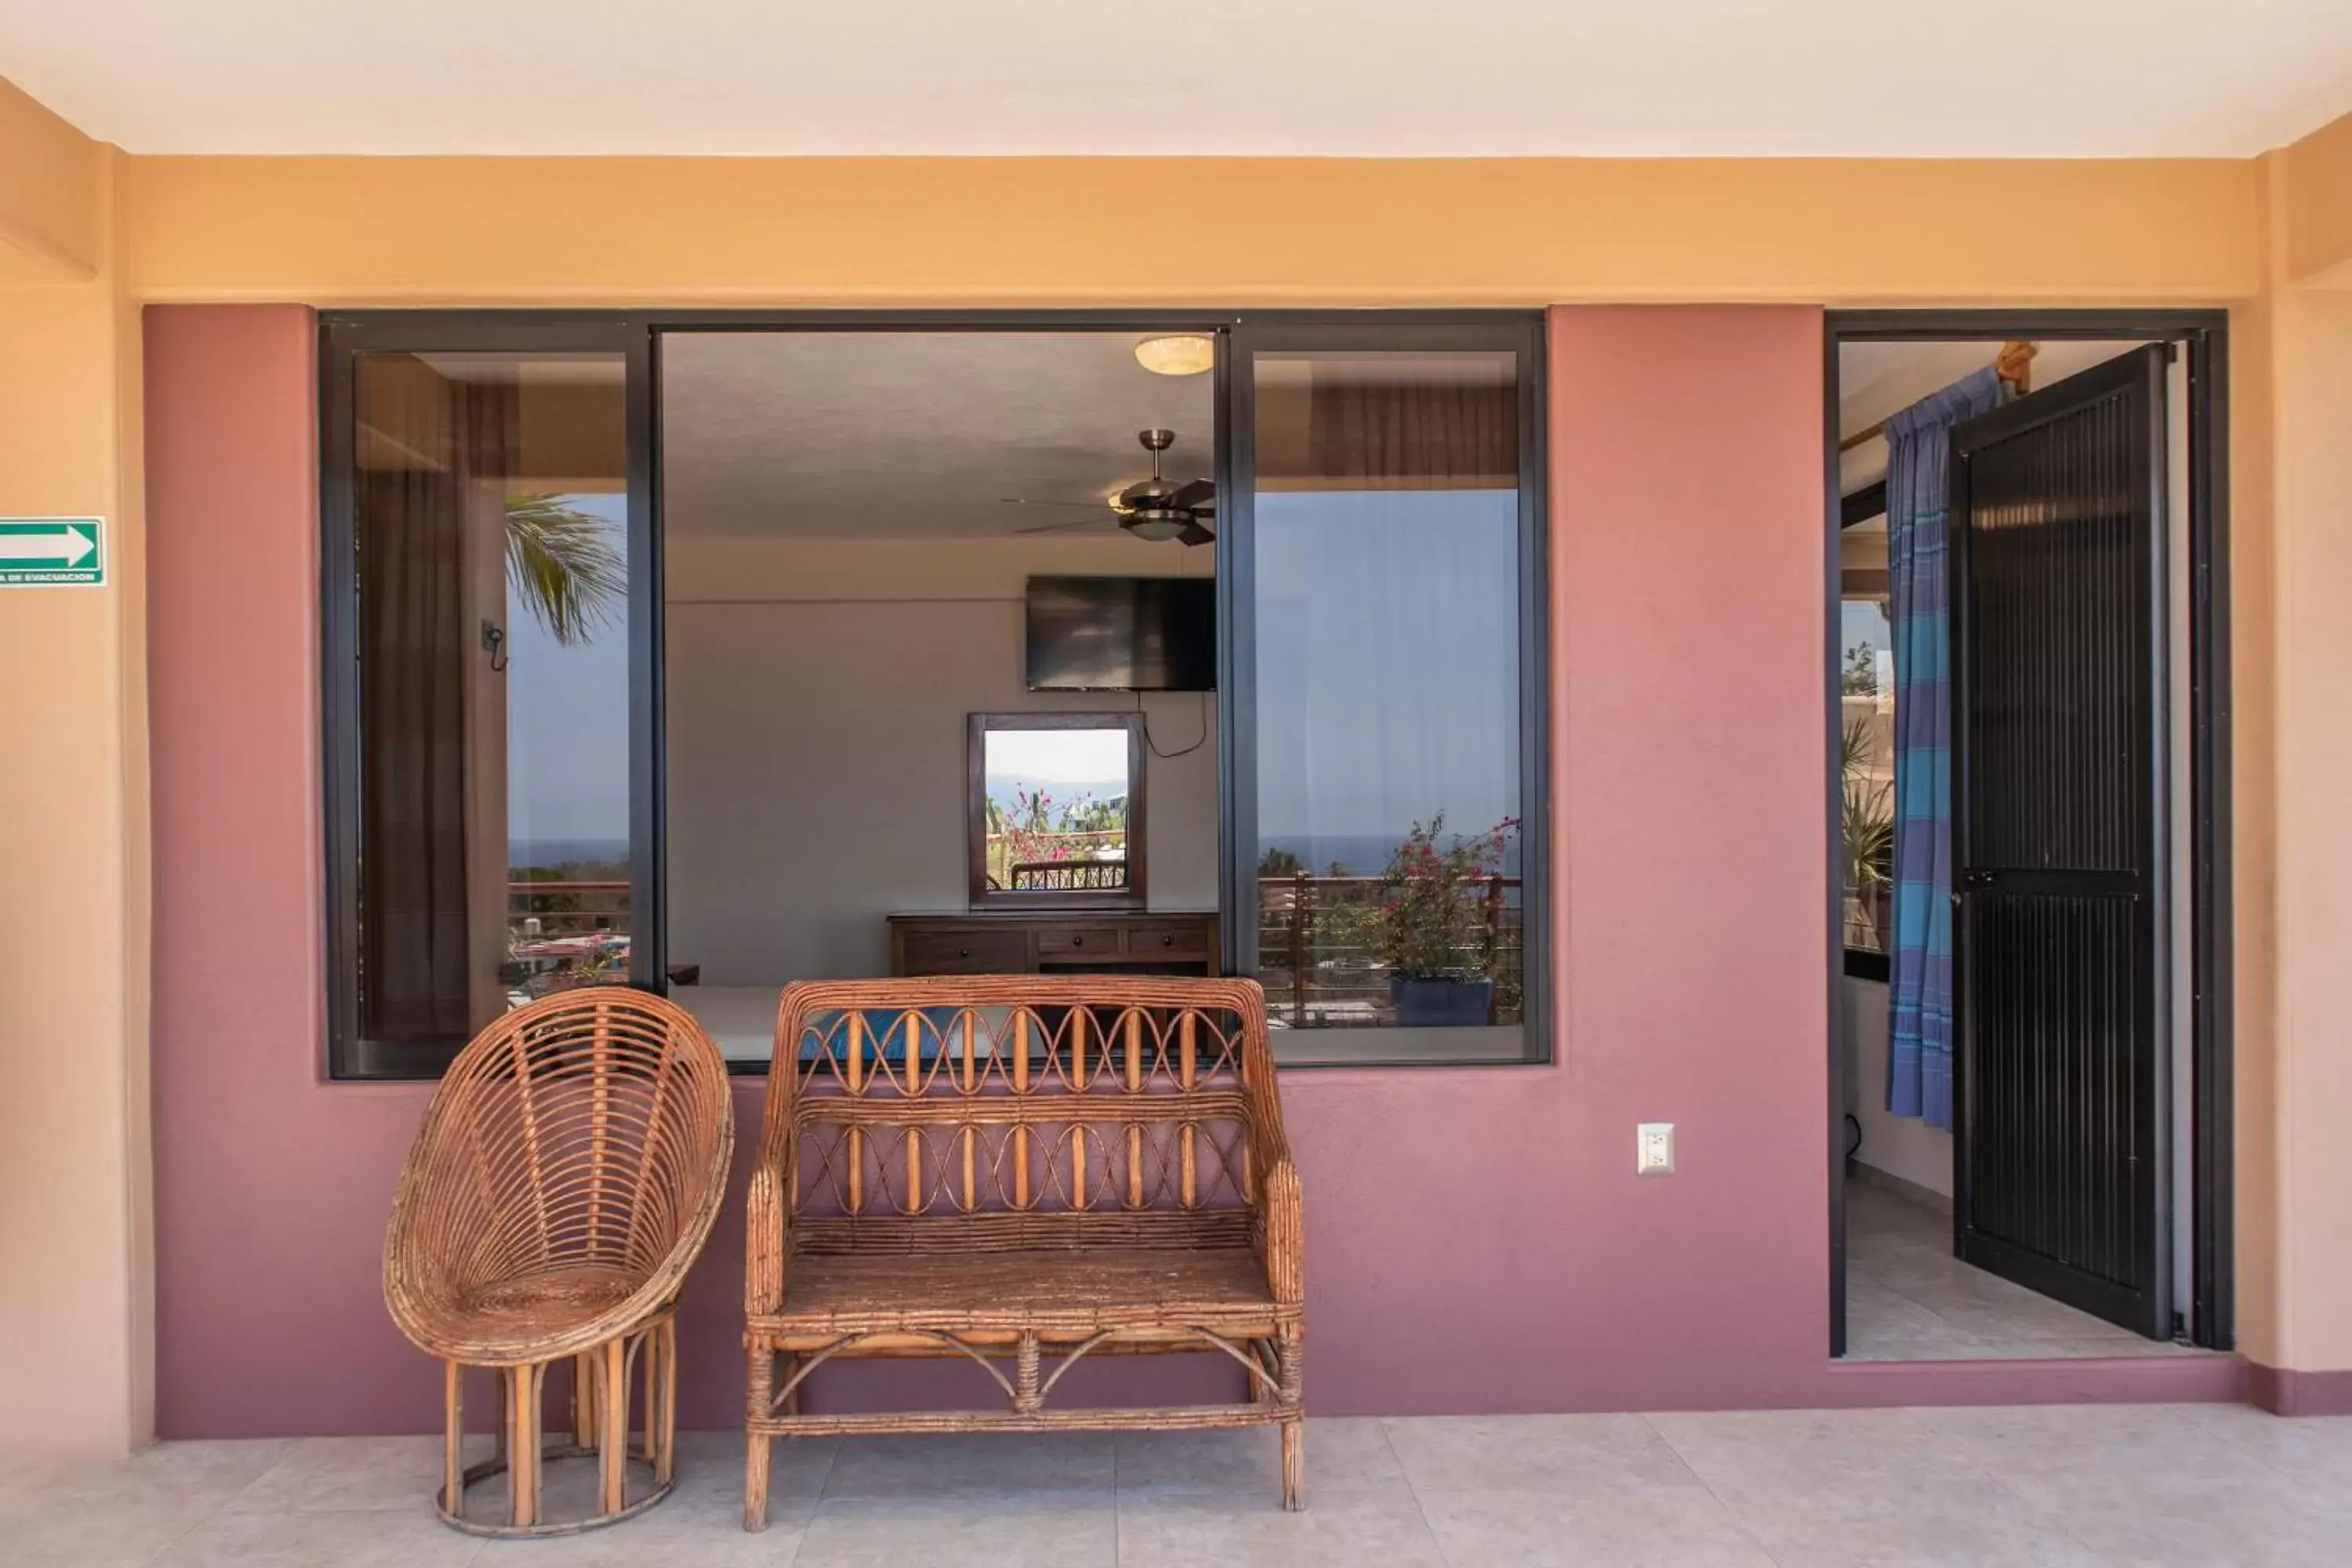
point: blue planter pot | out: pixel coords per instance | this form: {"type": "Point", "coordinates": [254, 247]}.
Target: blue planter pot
{"type": "Point", "coordinates": [1436, 1003]}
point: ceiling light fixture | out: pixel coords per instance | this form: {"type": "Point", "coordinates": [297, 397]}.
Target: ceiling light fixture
{"type": "Point", "coordinates": [1158, 526]}
{"type": "Point", "coordinates": [1186, 355]}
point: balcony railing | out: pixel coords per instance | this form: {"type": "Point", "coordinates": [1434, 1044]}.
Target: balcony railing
{"type": "Point", "coordinates": [1321, 950]}
{"type": "Point", "coordinates": [1065, 876]}
{"type": "Point", "coordinates": [1091, 860]}
{"type": "Point", "coordinates": [564, 933]}
{"type": "Point", "coordinates": [566, 908]}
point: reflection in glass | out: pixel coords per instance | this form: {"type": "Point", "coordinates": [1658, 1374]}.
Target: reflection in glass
{"type": "Point", "coordinates": [1866, 768]}
{"type": "Point", "coordinates": [1387, 571]}
{"type": "Point", "coordinates": [1057, 809]}
{"type": "Point", "coordinates": [490, 508]}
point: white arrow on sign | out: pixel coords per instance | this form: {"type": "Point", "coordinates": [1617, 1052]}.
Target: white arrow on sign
{"type": "Point", "coordinates": [70, 545]}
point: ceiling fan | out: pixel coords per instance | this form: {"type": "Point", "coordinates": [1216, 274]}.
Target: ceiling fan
{"type": "Point", "coordinates": [1155, 509]}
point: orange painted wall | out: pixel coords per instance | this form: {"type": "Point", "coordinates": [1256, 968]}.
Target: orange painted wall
{"type": "Point", "coordinates": [75, 1264]}
{"type": "Point", "coordinates": [2314, 195]}
{"type": "Point", "coordinates": [331, 231]}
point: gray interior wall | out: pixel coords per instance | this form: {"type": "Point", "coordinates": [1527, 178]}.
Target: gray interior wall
{"type": "Point", "coordinates": [817, 696]}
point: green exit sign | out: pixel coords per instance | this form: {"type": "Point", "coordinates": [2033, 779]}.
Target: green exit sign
{"type": "Point", "coordinates": [52, 551]}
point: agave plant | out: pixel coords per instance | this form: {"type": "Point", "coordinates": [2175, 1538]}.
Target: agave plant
{"type": "Point", "coordinates": [562, 566]}
{"type": "Point", "coordinates": [1865, 820]}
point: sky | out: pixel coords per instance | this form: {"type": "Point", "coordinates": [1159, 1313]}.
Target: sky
{"type": "Point", "coordinates": [1058, 756]}
{"type": "Point", "coordinates": [1387, 664]}
{"type": "Point", "coordinates": [568, 717]}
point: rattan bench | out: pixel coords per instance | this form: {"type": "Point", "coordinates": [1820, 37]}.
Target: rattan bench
{"type": "Point", "coordinates": [1021, 1170]}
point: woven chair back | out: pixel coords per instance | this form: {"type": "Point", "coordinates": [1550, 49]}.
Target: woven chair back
{"type": "Point", "coordinates": [574, 1156]}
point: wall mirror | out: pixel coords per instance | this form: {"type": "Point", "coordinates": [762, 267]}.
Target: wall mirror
{"type": "Point", "coordinates": [1057, 810]}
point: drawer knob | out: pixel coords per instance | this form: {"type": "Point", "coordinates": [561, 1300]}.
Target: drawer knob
{"type": "Point", "coordinates": [1168, 942]}
{"type": "Point", "coordinates": [963, 952]}
{"type": "Point", "coordinates": [1077, 942]}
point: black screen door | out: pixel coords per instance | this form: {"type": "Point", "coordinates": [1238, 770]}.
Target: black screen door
{"type": "Point", "coordinates": [2062, 1116]}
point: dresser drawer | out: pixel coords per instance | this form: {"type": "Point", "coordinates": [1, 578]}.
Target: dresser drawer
{"type": "Point", "coordinates": [966, 952]}
{"type": "Point", "coordinates": [1084, 942]}
{"type": "Point", "coordinates": [1175, 939]}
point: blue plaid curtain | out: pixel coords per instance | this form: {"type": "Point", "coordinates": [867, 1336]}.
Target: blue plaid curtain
{"type": "Point", "coordinates": [1919, 970]}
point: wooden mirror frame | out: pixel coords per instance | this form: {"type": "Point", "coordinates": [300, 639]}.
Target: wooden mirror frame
{"type": "Point", "coordinates": [983, 896]}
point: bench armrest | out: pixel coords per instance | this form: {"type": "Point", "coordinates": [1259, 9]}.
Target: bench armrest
{"type": "Point", "coordinates": [1278, 1223]}
{"type": "Point", "coordinates": [768, 1202]}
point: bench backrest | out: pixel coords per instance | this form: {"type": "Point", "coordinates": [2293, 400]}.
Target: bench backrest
{"type": "Point", "coordinates": [1029, 1111]}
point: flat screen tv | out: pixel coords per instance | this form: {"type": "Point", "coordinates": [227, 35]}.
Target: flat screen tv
{"type": "Point", "coordinates": [1122, 634]}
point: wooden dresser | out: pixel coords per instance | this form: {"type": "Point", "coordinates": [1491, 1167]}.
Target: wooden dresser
{"type": "Point", "coordinates": [1047, 941]}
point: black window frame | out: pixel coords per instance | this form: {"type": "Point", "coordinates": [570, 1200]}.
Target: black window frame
{"type": "Point", "coordinates": [638, 335]}
{"type": "Point", "coordinates": [1524, 334]}
{"type": "Point", "coordinates": [342, 339]}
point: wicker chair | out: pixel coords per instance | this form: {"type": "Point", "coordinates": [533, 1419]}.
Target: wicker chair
{"type": "Point", "coordinates": [566, 1176]}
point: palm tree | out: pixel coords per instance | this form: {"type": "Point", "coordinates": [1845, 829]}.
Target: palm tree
{"type": "Point", "coordinates": [563, 566]}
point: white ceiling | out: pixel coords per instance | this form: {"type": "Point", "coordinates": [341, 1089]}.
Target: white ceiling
{"type": "Point", "coordinates": [912, 435]}
{"type": "Point", "coordinates": [2025, 78]}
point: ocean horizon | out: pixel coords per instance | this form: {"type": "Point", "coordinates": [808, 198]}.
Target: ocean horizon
{"type": "Point", "coordinates": [544, 853]}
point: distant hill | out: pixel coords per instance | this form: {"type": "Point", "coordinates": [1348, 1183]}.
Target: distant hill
{"type": "Point", "coordinates": [1003, 787]}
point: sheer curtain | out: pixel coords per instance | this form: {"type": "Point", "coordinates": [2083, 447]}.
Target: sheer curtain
{"type": "Point", "coordinates": [427, 445]}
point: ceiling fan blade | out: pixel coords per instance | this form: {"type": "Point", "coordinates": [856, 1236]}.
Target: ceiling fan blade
{"type": "Point", "coordinates": [1059, 527]}
{"type": "Point", "coordinates": [1026, 500]}
{"type": "Point", "coordinates": [1196, 534]}
{"type": "Point", "coordinates": [1194, 494]}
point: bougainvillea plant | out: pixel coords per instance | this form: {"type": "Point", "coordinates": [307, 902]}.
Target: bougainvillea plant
{"type": "Point", "coordinates": [1035, 830]}
{"type": "Point", "coordinates": [1431, 918]}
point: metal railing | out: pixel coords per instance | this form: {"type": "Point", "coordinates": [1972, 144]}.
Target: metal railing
{"type": "Point", "coordinates": [1321, 949]}
{"type": "Point", "coordinates": [566, 908]}
{"type": "Point", "coordinates": [1057, 860]}
{"type": "Point", "coordinates": [1069, 876]}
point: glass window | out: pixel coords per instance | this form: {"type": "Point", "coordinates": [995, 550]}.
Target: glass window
{"type": "Point", "coordinates": [1389, 556]}
{"type": "Point", "coordinates": [487, 724]}
{"type": "Point", "coordinates": [1866, 761]}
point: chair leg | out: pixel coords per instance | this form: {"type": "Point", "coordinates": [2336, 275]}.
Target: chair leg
{"type": "Point", "coordinates": [524, 1444]}
{"type": "Point", "coordinates": [792, 1399]}
{"type": "Point", "coordinates": [1294, 1430]}
{"type": "Point", "coordinates": [504, 1386]}
{"type": "Point", "coordinates": [759, 1376]}
{"type": "Point", "coordinates": [613, 1422]}
{"type": "Point", "coordinates": [453, 1439]}
{"type": "Point", "coordinates": [661, 1410]}
{"type": "Point", "coordinates": [649, 1400]}
{"type": "Point", "coordinates": [585, 1399]}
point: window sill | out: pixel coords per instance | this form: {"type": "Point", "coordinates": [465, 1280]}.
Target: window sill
{"type": "Point", "coordinates": [1505, 1045]}
{"type": "Point", "coordinates": [1863, 964]}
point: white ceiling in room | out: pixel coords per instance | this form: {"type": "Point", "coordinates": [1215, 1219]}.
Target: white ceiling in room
{"type": "Point", "coordinates": [1842, 77]}
{"type": "Point", "coordinates": [913, 435]}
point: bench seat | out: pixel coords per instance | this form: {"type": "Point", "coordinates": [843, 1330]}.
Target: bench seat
{"type": "Point", "coordinates": [1060, 1292]}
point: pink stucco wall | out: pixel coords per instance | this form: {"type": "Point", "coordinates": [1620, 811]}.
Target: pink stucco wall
{"type": "Point", "coordinates": [1477, 1238]}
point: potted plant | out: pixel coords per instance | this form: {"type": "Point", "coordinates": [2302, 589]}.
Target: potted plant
{"type": "Point", "coordinates": [1433, 924]}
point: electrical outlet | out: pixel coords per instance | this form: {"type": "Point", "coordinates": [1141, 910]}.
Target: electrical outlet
{"type": "Point", "coordinates": [1653, 1149]}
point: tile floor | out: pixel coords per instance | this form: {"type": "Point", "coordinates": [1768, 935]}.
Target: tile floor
{"type": "Point", "coordinates": [2099, 1487]}
{"type": "Point", "coordinates": [1908, 1298]}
